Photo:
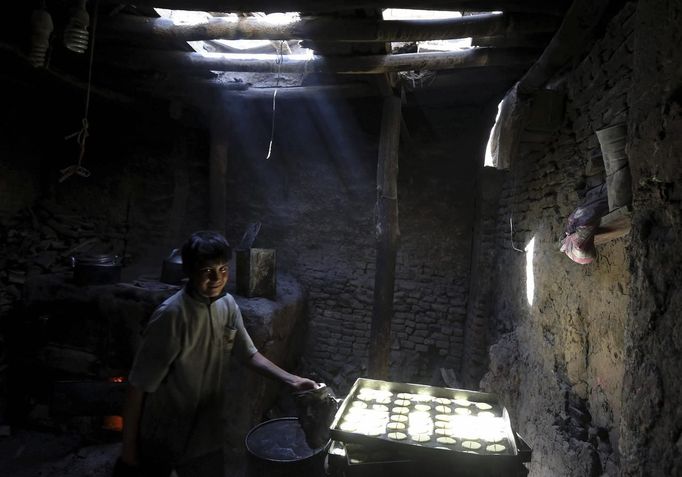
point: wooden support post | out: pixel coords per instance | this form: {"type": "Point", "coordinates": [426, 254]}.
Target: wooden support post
{"type": "Point", "coordinates": [387, 237]}
{"type": "Point", "coordinates": [217, 180]}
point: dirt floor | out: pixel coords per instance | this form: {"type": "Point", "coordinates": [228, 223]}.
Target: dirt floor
{"type": "Point", "coordinates": [49, 454]}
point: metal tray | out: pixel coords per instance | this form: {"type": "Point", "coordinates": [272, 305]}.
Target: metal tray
{"type": "Point", "coordinates": [437, 421]}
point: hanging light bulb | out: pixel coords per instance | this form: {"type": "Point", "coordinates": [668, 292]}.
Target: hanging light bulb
{"type": "Point", "coordinates": [41, 29]}
{"type": "Point", "coordinates": [76, 31]}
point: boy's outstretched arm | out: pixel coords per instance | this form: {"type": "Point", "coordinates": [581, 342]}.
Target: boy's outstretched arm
{"type": "Point", "coordinates": [264, 366]}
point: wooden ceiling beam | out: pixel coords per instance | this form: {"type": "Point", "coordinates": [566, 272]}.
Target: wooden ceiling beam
{"type": "Point", "coordinates": [329, 28]}
{"type": "Point", "coordinates": [577, 31]}
{"type": "Point", "coordinates": [198, 87]}
{"type": "Point", "coordinates": [536, 6]}
{"type": "Point", "coordinates": [144, 60]}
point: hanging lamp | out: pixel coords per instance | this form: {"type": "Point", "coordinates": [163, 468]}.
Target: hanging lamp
{"type": "Point", "coordinates": [76, 32]}
{"type": "Point", "coordinates": [41, 29]}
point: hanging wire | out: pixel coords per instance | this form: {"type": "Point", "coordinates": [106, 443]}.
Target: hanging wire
{"type": "Point", "coordinates": [511, 213]}
{"type": "Point", "coordinates": [511, 234]}
{"type": "Point", "coordinates": [83, 133]}
{"type": "Point", "coordinates": [279, 61]}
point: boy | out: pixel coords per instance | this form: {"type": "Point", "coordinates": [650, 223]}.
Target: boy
{"type": "Point", "coordinates": [173, 417]}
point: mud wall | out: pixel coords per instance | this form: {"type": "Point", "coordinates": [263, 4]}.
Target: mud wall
{"type": "Point", "coordinates": [586, 361]}
{"type": "Point", "coordinates": [651, 424]}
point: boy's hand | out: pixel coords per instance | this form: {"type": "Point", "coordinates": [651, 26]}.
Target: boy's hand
{"type": "Point", "coordinates": [303, 384]}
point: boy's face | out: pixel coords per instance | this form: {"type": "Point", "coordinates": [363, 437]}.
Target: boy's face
{"type": "Point", "coordinates": [209, 278]}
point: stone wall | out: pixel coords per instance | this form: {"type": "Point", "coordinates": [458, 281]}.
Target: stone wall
{"type": "Point", "coordinates": [315, 198]}
{"type": "Point", "coordinates": [145, 192]}
{"type": "Point", "coordinates": [587, 370]}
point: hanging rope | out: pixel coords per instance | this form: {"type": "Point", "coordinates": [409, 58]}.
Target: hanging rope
{"type": "Point", "coordinates": [82, 135]}
{"type": "Point", "coordinates": [279, 61]}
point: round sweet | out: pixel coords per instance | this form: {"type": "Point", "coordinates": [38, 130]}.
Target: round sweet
{"type": "Point", "coordinates": [404, 396]}
{"type": "Point", "coordinates": [444, 417]}
{"type": "Point", "coordinates": [495, 448]}
{"type": "Point", "coordinates": [471, 445]}
{"type": "Point", "coordinates": [462, 411]}
{"type": "Point", "coordinates": [383, 400]}
{"type": "Point", "coordinates": [443, 409]}
{"type": "Point", "coordinates": [444, 401]}
{"type": "Point", "coordinates": [420, 437]}
{"type": "Point", "coordinates": [446, 440]}
{"type": "Point", "coordinates": [485, 414]}
{"type": "Point", "coordinates": [399, 418]}
{"type": "Point", "coordinates": [353, 417]}
{"type": "Point", "coordinates": [371, 431]}
{"type": "Point", "coordinates": [463, 402]}
{"type": "Point", "coordinates": [400, 410]}
{"type": "Point", "coordinates": [348, 426]}
{"type": "Point", "coordinates": [422, 407]}
{"type": "Point", "coordinates": [380, 407]}
{"type": "Point", "coordinates": [442, 424]}
{"type": "Point", "coordinates": [395, 426]}
{"type": "Point", "coordinates": [402, 402]}
{"type": "Point", "coordinates": [397, 436]}
{"type": "Point", "coordinates": [496, 437]}
{"type": "Point", "coordinates": [483, 406]}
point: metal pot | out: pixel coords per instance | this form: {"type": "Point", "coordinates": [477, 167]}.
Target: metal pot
{"type": "Point", "coordinates": [96, 269]}
{"type": "Point", "coordinates": [278, 448]}
{"type": "Point", "coordinates": [171, 269]}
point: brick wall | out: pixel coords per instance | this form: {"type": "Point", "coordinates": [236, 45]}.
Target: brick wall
{"type": "Point", "coordinates": [315, 198]}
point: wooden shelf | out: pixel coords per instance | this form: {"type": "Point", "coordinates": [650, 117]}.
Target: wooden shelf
{"type": "Point", "coordinates": [613, 225]}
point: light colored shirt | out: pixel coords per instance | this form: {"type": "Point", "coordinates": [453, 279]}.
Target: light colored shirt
{"type": "Point", "coordinates": [182, 364]}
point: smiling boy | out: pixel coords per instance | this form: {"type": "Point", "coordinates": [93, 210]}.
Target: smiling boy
{"type": "Point", "coordinates": [174, 414]}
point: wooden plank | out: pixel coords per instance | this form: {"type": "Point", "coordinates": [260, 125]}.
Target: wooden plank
{"type": "Point", "coordinates": [553, 7]}
{"type": "Point", "coordinates": [328, 28]}
{"type": "Point", "coordinates": [387, 238]}
{"type": "Point", "coordinates": [613, 225]}
{"type": "Point", "coordinates": [575, 33]}
{"type": "Point", "coordinates": [368, 64]}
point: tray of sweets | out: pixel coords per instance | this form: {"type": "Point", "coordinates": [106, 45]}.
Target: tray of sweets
{"type": "Point", "coordinates": [424, 418]}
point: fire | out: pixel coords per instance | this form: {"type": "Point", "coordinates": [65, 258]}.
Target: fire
{"type": "Point", "coordinates": [112, 423]}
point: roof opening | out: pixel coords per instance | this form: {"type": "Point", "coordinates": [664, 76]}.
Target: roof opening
{"type": "Point", "coordinates": [186, 17]}
{"type": "Point", "coordinates": [490, 161]}
{"type": "Point", "coordinates": [432, 45]}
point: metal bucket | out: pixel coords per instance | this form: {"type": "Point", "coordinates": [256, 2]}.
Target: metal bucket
{"type": "Point", "coordinates": [278, 448]}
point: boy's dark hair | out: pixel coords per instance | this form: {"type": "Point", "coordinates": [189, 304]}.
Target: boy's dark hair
{"type": "Point", "coordinates": [204, 246]}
